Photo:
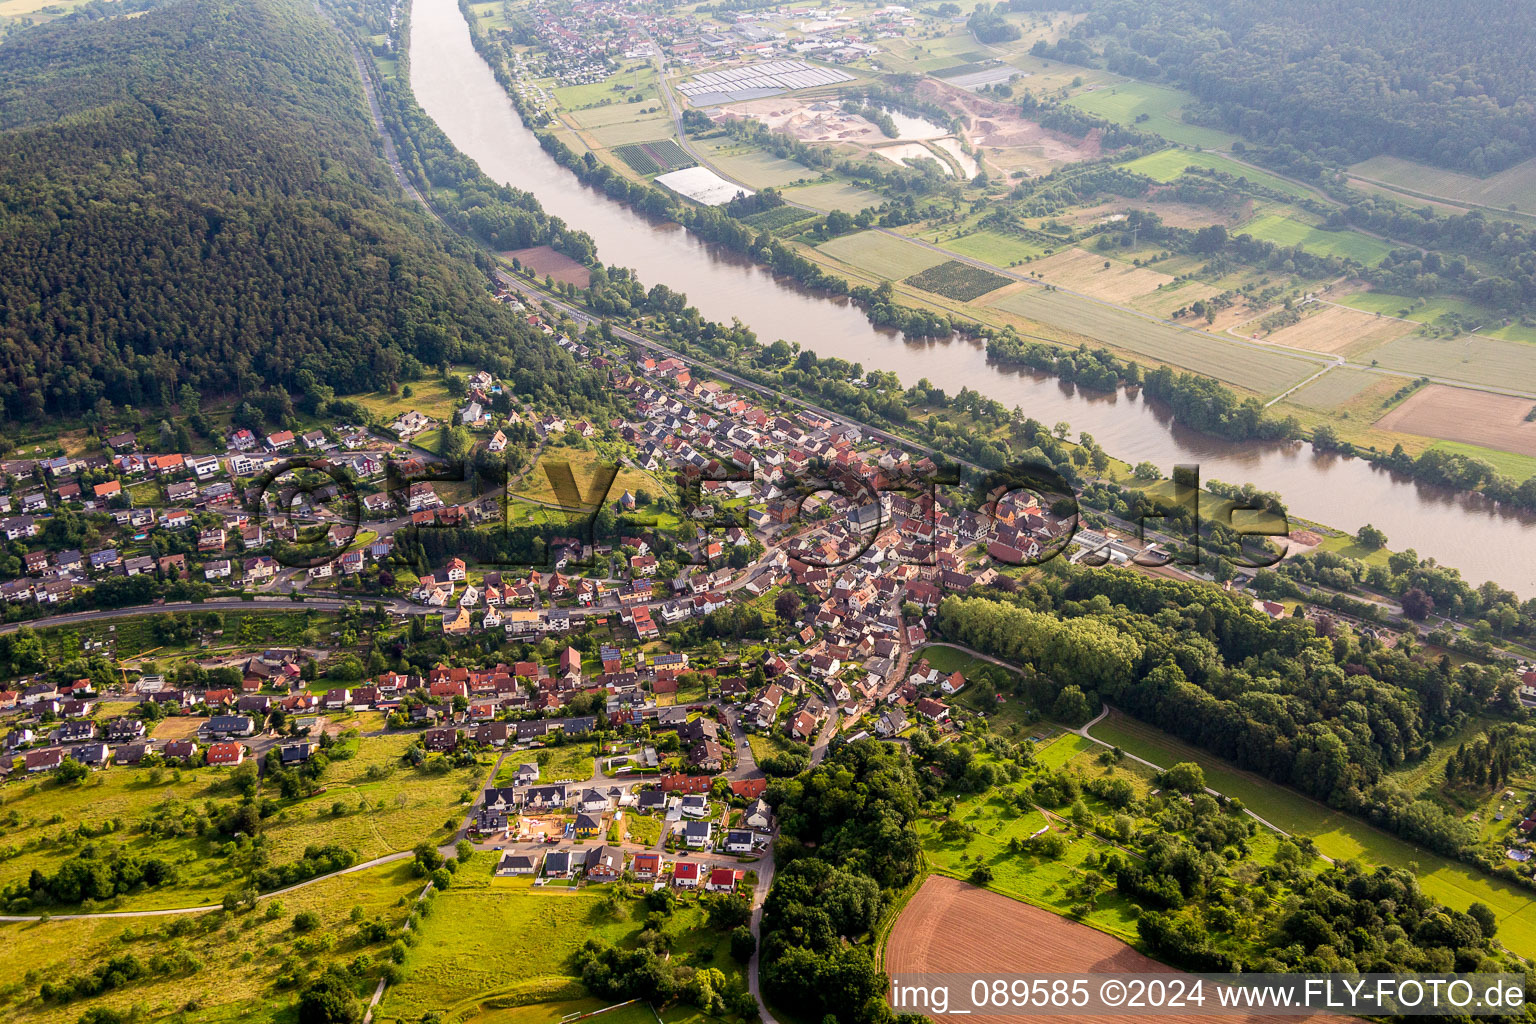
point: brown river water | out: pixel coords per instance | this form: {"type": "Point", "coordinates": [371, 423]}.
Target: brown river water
{"type": "Point", "coordinates": [455, 86]}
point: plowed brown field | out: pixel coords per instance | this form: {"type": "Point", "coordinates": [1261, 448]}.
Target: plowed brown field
{"type": "Point", "coordinates": [951, 927]}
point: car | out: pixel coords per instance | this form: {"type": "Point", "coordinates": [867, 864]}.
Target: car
{"type": "Point", "coordinates": [551, 839]}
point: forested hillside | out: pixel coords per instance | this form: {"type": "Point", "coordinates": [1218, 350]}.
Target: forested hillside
{"type": "Point", "coordinates": [1447, 81]}
{"type": "Point", "coordinates": [193, 196]}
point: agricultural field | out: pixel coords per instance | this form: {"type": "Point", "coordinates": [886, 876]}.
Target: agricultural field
{"type": "Point", "coordinates": [833, 195]}
{"type": "Point", "coordinates": [1168, 164]}
{"type": "Point", "coordinates": [1472, 417]}
{"type": "Point", "coordinates": [1472, 358]}
{"type": "Point", "coordinates": [1287, 231]}
{"type": "Point", "coordinates": [1337, 330]}
{"type": "Point", "coordinates": [938, 932]}
{"type": "Point", "coordinates": [645, 128]}
{"type": "Point", "coordinates": [1514, 186]}
{"type": "Point", "coordinates": [749, 164]}
{"type": "Point", "coordinates": [995, 248]}
{"type": "Point", "coordinates": [1260, 371]}
{"type": "Point", "coordinates": [236, 957]}
{"type": "Point", "coordinates": [1336, 834]}
{"type": "Point", "coordinates": [1086, 272]}
{"type": "Point", "coordinates": [1443, 311]}
{"type": "Point", "coordinates": [1340, 387]}
{"type": "Point", "coordinates": [778, 218]}
{"type": "Point", "coordinates": [544, 261]}
{"type": "Point", "coordinates": [1124, 102]}
{"type": "Point", "coordinates": [654, 157]}
{"type": "Point", "coordinates": [956, 280]}
{"type": "Point", "coordinates": [881, 254]}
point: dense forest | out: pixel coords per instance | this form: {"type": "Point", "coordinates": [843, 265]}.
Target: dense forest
{"type": "Point", "coordinates": [1445, 81]}
{"type": "Point", "coordinates": [847, 844]}
{"type": "Point", "coordinates": [222, 222]}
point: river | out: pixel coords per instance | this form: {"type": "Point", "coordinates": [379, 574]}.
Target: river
{"type": "Point", "coordinates": [455, 86]}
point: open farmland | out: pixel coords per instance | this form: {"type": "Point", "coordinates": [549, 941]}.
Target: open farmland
{"type": "Point", "coordinates": [1340, 386]}
{"type": "Point", "coordinates": [752, 165]}
{"type": "Point", "coordinates": [1472, 358]}
{"type": "Point", "coordinates": [1338, 329]}
{"type": "Point", "coordinates": [1515, 185]}
{"type": "Point", "coordinates": [1083, 271]}
{"type": "Point", "coordinates": [778, 218]}
{"type": "Point", "coordinates": [702, 185]}
{"type": "Point", "coordinates": [955, 928]}
{"type": "Point", "coordinates": [959, 281]}
{"type": "Point", "coordinates": [543, 260]}
{"type": "Point", "coordinates": [993, 247]}
{"type": "Point", "coordinates": [654, 157]}
{"type": "Point", "coordinates": [1257, 370]}
{"type": "Point", "coordinates": [1459, 414]}
{"type": "Point", "coordinates": [1287, 231]}
{"type": "Point", "coordinates": [881, 254]}
{"type": "Point", "coordinates": [1163, 107]}
{"type": "Point", "coordinates": [833, 195]}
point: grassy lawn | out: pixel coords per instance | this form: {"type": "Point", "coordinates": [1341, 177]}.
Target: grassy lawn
{"type": "Point", "coordinates": [429, 397]}
{"type": "Point", "coordinates": [243, 627]}
{"type": "Point", "coordinates": [1163, 107]}
{"type": "Point", "coordinates": [1346, 546]}
{"type": "Point", "coordinates": [1170, 163]}
{"type": "Point", "coordinates": [644, 829]}
{"type": "Point", "coordinates": [1337, 835]}
{"type": "Point", "coordinates": [997, 249]}
{"type": "Point", "coordinates": [573, 761]}
{"type": "Point", "coordinates": [405, 806]}
{"type": "Point", "coordinates": [239, 955]}
{"type": "Point", "coordinates": [584, 463]}
{"type": "Point", "coordinates": [1031, 878]}
{"type": "Point", "coordinates": [47, 810]}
